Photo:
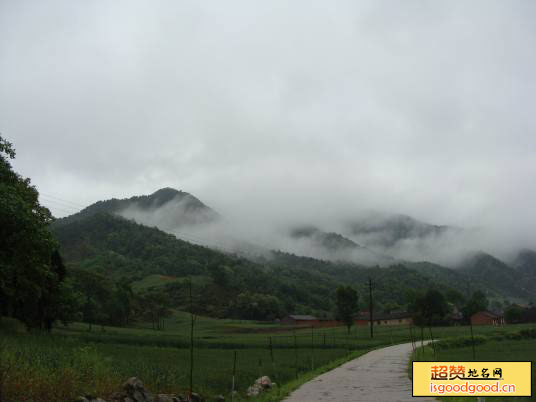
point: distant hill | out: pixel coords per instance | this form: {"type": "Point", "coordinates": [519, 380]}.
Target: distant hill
{"type": "Point", "coordinates": [226, 284]}
{"type": "Point", "coordinates": [166, 208]}
{"type": "Point", "coordinates": [336, 247]}
{"type": "Point", "coordinates": [329, 240]}
{"type": "Point", "coordinates": [126, 239]}
{"type": "Point", "coordinates": [380, 230]}
{"type": "Point", "coordinates": [525, 261]}
{"type": "Point", "coordinates": [497, 276]}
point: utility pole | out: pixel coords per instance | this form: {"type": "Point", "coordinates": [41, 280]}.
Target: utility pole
{"type": "Point", "coordinates": [192, 322]}
{"type": "Point", "coordinates": [370, 310]}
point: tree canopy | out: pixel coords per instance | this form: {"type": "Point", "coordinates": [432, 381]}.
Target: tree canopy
{"type": "Point", "coordinates": [430, 307]}
{"type": "Point", "coordinates": [346, 305]}
{"type": "Point", "coordinates": [31, 269]}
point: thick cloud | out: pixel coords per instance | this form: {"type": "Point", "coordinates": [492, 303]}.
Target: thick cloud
{"type": "Point", "coordinates": [279, 111]}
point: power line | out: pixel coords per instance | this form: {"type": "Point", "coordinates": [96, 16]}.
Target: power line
{"type": "Point", "coordinates": [62, 200]}
{"type": "Point", "coordinates": [61, 203]}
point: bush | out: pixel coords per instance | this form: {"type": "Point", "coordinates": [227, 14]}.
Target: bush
{"type": "Point", "coordinates": [461, 342]}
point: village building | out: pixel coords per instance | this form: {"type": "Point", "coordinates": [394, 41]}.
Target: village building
{"type": "Point", "coordinates": [300, 320]}
{"type": "Point", "coordinates": [402, 318]}
{"type": "Point", "coordinates": [487, 318]}
{"type": "Point", "coordinates": [529, 315]}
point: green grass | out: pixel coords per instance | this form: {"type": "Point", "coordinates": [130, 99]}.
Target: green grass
{"type": "Point", "coordinates": [72, 361]}
{"type": "Point", "coordinates": [504, 348]}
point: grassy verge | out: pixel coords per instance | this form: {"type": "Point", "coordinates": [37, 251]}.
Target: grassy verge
{"type": "Point", "coordinates": [509, 346]}
{"type": "Point", "coordinates": [276, 395]}
{"type": "Point", "coordinates": [72, 361]}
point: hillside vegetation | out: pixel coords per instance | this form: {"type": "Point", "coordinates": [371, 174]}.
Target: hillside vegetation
{"type": "Point", "coordinates": [151, 262]}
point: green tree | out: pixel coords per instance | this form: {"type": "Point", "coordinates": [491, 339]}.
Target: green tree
{"type": "Point", "coordinates": [96, 290]}
{"type": "Point", "coordinates": [31, 269]}
{"type": "Point", "coordinates": [431, 307]}
{"type": "Point", "coordinates": [346, 305]}
{"type": "Point", "coordinates": [455, 297]}
{"type": "Point", "coordinates": [218, 274]}
{"type": "Point", "coordinates": [513, 314]}
{"type": "Point", "coordinates": [477, 302]}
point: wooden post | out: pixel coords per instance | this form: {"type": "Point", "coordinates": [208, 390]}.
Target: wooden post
{"type": "Point", "coordinates": [413, 346]}
{"type": "Point", "coordinates": [192, 322]}
{"type": "Point", "coordinates": [472, 339]}
{"type": "Point", "coordinates": [295, 353]}
{"type": "Point", "coordinates": [234, 376]}
{"type": "Point", "coordinates": [274, 372]}
{"type": "Point", "coordinates": [432, 341]}
{"type": "Point", "coordinates": [312, 348]}
{"type": "Point", "coordinates": [422, 341]}
{"type": "Point", "coordinates": [370, 310]}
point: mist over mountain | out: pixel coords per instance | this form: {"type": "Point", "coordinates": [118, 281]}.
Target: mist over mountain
{"type": "Point", "coordinates": [167, 209]}
{"type": "Point", "coordinates": [334, 246]}
{"type": "Point", "coordinates": [371, 238]}
{"type": "Point", "coordinates": [525, 261]}
{"type": "Point", "coordinates": [386, 230]}
{"type": "Point", "coordinates": [496, 274]}
{"type": "Point", "coordinates": [298, 246]}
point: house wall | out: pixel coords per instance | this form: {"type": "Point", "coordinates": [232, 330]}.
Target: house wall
{"type": "Point", "coordinates": [328, 323]}
{"type": "Point", "coordinates": [483, 319]}
{"type": "Point", "coordinates": [300, 323]}
{"type": "Point", "coordinates": [395, 321]}
{"type": "Point", "coordinates": [307, 323]}
{"type": "Point", "coordinates": [288, 321]}
{"type": "Point", "coordinates": [529, 315]}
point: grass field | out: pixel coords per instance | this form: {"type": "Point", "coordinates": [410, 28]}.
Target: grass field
{"type": "Point", "coordinates": [72, 361]}
{"type": "Point", "coordinates": [486, 350]}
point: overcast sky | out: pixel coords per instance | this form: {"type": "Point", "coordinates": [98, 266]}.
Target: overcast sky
{"type": "Point", "coordinates": [278, 108]}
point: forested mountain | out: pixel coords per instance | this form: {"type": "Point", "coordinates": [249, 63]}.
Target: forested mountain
{"type": "Point", "coordinates": [525, 261]}
{"type": "Point", "coordinates": [498, 276]}
{"type": "Point", "coordinates": [335, 247]}
{"type": "Point", "coordinates": [166, 208]}
{"type": "Point", "coordinates": [381, 230]}
{"type": "Point", "coordinates": [329, 240]}
{"type": "Point", "coordinates": [153, 262]}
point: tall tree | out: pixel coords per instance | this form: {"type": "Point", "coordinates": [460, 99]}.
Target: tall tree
{"type": "Point", "coordinates": [477, 302]}
{"type": "Point", "coordinates": [431, 307]}
{"type": "Point", "coordinates": [31, 270]}
{"type": "Point", "coordinates": [346, 305]}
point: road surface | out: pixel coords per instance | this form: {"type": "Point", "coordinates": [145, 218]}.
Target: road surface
{"type": "Point", "coordinates": [380, 375]}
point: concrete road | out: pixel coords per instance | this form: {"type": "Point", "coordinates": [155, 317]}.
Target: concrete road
{"type": "Point", "coordinates": [380, 375]}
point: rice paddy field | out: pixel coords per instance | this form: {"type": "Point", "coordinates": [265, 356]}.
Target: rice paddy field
{"type": "Point", "coordinates": [72, 361]}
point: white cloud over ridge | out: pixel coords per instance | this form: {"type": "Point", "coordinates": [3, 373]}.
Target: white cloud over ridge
{"type": "Point", "coordinates": [278, 112]}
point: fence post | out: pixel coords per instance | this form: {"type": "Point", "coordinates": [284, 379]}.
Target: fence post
{"type": "Point", "coordinates": [413, 346]}
{"type": "Point", "coordinates": [234, 375]}
{"type": "Point", "coordinates": [312, 348]}
{"type": "Point", "coordinates": [295, 353]}
{"type": "Point", "coordinates": [432, 341]}
{"type": "Point", "coordinates": [472, 340]}
{"type": "Point", "coordinates": [422, 341]}
{"type": "Point", "coordinates": [192, 322]}
{"type": "Point", "coordinates": [274, 373]}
